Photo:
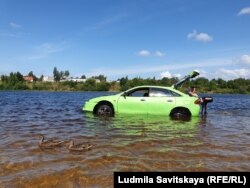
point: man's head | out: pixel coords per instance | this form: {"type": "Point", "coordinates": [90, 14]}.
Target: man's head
{"type": "Point", "coordinates": [192, 88]}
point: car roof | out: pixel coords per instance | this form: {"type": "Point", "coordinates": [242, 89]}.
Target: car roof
{"type": "Point", "coordinates": [152, 86]}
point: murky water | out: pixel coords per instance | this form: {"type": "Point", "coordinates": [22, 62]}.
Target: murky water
{"type": "Point", "coordinates": [218, 142]}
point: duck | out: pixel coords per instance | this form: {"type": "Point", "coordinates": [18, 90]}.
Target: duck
{"type": "Point", "coordinates": [79, 147]}
{"type": "Point", "coordinates": [49, 143]}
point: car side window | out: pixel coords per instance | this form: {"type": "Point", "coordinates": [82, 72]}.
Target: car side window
{"type": "Point", "coordinates": [175, 94]}
{"type": "Point", "coordinates": [160, 92]}
{"type": "Point", "coordinates": [142, 92]}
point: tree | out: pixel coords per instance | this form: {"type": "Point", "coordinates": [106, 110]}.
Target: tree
{"type": "Point", "coordinates": [124, 83]}
{"type": "Point", "coordinates": [41, 78]}
{"type": "Point", "coordinates": [83, 77]}
{"type": "Point", "coordinates": [18, 76]}
{"type": "Point", "coordinates": [102, 86]}
{"type": "Point", "coordinates": [232, 85]}
{"type": "Point", "coordinates": [66, 73]}
{"type": "Point", "coordinates": [202, 82]}
{"type": "Point", "coordinates": [61, 75]}
{"type": "Point", "coordinates": [31, 73]}
{"type": "Point", "coordinates": [4, 78]}
{"type": "Point", "coordinates": [56, 74]}
{"type": "Point", "coordinates": [90, 84]}
{"type": "Point", "coordinates": [101, 77]}
{"type": "Point", "coordinates": [222, 83]}
{"type": "Point", "coordinates": [212, 85]}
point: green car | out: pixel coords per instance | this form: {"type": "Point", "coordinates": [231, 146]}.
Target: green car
{"type": "Point", "coordinates": [156, 100]}
{"type": "Point", "coordinates": [145, 100]}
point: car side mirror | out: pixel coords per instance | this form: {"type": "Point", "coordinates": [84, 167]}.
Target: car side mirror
{"type": "Point", "coordinates": [124, 95]}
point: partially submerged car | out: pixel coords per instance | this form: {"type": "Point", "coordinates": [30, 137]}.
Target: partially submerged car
{"type": "Point", "coordinates": [147, 100]}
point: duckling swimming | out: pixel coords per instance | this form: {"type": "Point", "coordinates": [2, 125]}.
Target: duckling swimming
{"type": "Point", "coordinates": [79, 147]}
{"type": "Point", "coordinates": [49, 143]}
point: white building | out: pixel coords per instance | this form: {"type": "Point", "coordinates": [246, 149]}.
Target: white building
{"type": "Point", "coordinates": [75, 80]}
{"type": "Point", "coordinates": [48, 79]}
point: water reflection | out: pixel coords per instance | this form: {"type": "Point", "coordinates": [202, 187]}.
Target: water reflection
{"type": "Point", "coordinates": [152, 133]}
{"type": "Point", "coordinates": [125, 124]}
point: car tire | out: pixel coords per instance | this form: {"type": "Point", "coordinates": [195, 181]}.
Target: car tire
{"type": "Point", "coordinates": [104, 110]}
{"type": "Point", "coordinates": [180, 113]}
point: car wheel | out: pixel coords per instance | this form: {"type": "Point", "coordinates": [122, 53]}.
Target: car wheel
{"type": "Point", "coordinates": [180, 113]}
{"type": "Point", "coordinates": [104, 110]}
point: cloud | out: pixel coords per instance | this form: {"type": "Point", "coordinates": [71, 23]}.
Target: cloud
{"type": "Point", "coordinates": [144, 53]}
{"type": "Point", "coordinates": [147, 53]}
{"type": "Point", "coordinates": [203, 37]}
{"type": "Point", "coordinates": [245, 59]}
{"type": "Point", "coordinates": [243, 11]}
{"type": "Point", "coordinates": [135, 70]}
{"type": "Point", "coordinates": [166, 74]}
{"type": "Point", "coordinates": [14, 25]}
{"type": "Point", "coordinates": [45, 50]}
{"type": "Point", "coordinates": [14, 35]}
{"type": "Point", "coordinates": [106, 22]}
{"type": "Point", "coordinates": [209, 68]}
{"type": "Point", "coordinates": [159, 54]}
{"type": "Point", "coordinates": [177, 75]}
{"type": "Point", "coordinates": [233, 73]}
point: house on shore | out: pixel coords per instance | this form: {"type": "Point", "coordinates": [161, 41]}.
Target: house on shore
{"type": "Point", "coordinates": [74, 80]}
{"type": "Point", "coordinates": [28, 78]}
{"type": "Point", "coordinates": [78, 80]}
{"type": "Point", "coordinates": [51, 79]}
{"type": "Point", "coordinates": [48, 79]}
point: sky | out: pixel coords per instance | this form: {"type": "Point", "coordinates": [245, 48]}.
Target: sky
{"type": "Point", "coordinates": [118, 38]}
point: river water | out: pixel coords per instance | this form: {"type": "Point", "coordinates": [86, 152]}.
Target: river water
{"type": "Point", "coordinates": [218, 142]}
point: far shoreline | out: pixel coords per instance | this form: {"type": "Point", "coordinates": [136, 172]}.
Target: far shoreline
{"type": "Point", "coordinates": [202, 85]}
{"type": "Point", "coordinates": [69, 91]}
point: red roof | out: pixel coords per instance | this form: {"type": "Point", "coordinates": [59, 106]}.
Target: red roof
{"type": "Point", "coordinates": [28, 78]}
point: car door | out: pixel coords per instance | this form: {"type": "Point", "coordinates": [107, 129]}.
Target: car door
{"type": "Point", "coordinates": [161, 101]}
{"type": "Point", "coordinates": [134, 102]}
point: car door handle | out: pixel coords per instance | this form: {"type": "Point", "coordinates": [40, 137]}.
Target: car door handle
{"type": "Point", "coordinates": [143, 100]}
{"type": "Point", "coordinates": [169, 100]}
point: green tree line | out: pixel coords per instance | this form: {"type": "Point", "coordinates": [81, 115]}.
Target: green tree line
{"type": "Point", "coordinates": [15, 81]}
{"type": "Point", "coordinates": [203, 85]}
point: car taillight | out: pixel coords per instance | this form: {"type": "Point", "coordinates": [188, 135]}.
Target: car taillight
{"type": "Point", "coordinates": [198, 101]}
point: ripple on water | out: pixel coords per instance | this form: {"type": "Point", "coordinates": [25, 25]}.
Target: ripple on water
{"type": "Point", "coordinates": [216, 142]}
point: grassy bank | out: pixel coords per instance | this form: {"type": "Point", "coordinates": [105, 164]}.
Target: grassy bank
{"type": "Point", "coordinates": [56, 86]}
{"type": "Point", "coordinates": [92, 85]}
